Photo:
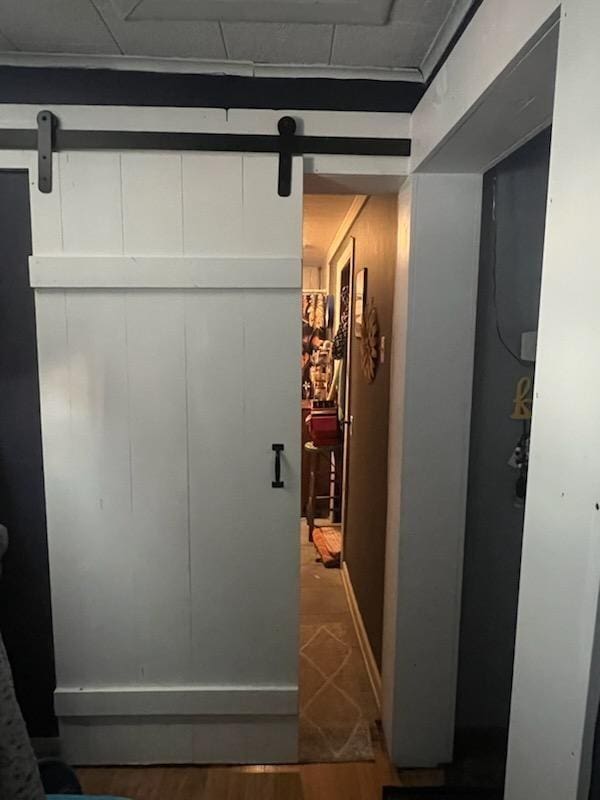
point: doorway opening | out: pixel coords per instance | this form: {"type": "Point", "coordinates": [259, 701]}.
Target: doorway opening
{"type": "Point", "coordinates": [349, 254]}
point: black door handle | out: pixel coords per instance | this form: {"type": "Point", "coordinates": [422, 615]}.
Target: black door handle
{"type": "Point", "coordinates": [277, 483]}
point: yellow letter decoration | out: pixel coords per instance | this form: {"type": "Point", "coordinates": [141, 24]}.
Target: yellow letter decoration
{"type": "Point", "coordinates": [523, 403]}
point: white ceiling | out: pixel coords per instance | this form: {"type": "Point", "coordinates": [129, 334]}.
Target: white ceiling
{"type": "Point", "coordinates": [323, 215]}
{"type": "Point", "coordinates": [388, 35]}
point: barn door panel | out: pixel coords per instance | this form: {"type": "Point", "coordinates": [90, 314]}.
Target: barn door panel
{"type": "Point", "coordinates": [166, 311]}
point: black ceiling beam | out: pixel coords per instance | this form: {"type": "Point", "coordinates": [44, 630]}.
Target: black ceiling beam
{"type": "Point", "coordinates": [79, 86]}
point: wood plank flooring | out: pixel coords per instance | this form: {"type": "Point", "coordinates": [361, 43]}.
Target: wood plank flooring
{"type": "Point", "coordinates": [351, 781]}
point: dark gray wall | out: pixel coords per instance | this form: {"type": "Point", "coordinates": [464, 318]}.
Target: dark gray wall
{"type": "Point", "coordinates": [494, 524]}
{"type": "Point", "coordinates": [25, 614]}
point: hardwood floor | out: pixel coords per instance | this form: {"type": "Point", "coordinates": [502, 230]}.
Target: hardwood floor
{"type": "Point", "coordinates": [322, 601]}
{"type": "Point", "coordinates": [351, 781]}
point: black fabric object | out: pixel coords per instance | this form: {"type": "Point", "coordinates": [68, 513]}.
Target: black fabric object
{"type": "Point", "coordinates": [25, 613]}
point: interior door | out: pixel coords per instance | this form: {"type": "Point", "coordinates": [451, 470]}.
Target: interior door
{"type": "Point", "coordinates": [167, 293]}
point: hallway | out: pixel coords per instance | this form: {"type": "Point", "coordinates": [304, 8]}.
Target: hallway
{"type": "Point", "coordinates": [338, 712]}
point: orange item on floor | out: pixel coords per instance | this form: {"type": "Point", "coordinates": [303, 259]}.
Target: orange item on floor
{"type": "Point", "coordinates": [328, 542]}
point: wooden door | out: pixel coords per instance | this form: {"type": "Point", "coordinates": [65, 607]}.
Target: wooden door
{"type": "Point", "coordinates": [167, 301]}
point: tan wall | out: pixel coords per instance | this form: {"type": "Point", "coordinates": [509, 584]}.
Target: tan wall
{"type": "Point", "coordinates": [364, 546]}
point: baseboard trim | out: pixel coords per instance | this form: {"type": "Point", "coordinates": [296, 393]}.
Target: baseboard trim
{"type": "Point", "coordinates": [363, 639]}
{"type": "Point", "coordinates": [156, 701]}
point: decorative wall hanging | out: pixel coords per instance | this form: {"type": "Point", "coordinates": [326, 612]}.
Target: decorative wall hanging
{"type": "Point", "coordinates": [523, 399]}
{"type": "Point", "coordinates": [369, 345]}
{"type": "Point", "coordinates": [360, 298]}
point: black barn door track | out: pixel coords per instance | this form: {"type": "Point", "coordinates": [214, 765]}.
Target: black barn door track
{"type": "Point", "coordinates": [49, 137]}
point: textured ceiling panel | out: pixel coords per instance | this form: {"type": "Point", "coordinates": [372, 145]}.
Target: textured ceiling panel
{"type": "Point", "coordinates": [424, 12]}
{"type": "Point", "coordinates": [372, 12]}
{"type": "Point", "coordinates": [55, 26]}
{"type": "Point", "coordinates": [169, 39]}
{"type": "Point", "coordinates": [272, 43]}
{"type": "Point", "coordinates": [396, 45]}
{"type": "Point", "coordinates": [401, 34]}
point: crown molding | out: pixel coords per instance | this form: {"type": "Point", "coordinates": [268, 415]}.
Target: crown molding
{"type": "Point", "coordinates": [192, 66]}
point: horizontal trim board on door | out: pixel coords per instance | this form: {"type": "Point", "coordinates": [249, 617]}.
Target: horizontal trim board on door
{"type": "Point", "coordinates": [176, 701]}
{"type": "Point", "coordinates": [251, 739]}
{"type": "Point", "coordinates": [164, 272]}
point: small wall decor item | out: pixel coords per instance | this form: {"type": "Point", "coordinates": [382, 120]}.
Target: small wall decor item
{"type": "Point", "coordinates": [523, 399]}
{"type": "Point", "coordinates": [360, 298]}
{"type": "Point", "coordinates": [369, 345]}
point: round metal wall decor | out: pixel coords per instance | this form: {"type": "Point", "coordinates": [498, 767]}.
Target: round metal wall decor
{"type": "Point", "coordinates": [369, 343]}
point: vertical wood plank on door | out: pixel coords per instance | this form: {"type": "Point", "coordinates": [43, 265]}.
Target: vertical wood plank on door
{"type": "Point", "coordinates": [242, 396]}
{"type": "Point", "coordinates": [272, 224]}
{"type": "Point", "coordinates": [93, 545]}
{"type": "Point", "coordinates": [90, 190]}
{"type": "Point", "coordinates": [152, 203]}
{"type": "Point", "coordinates": [271, 390]}
{"type": "Point", "coordinates": [212, 204]}
{"type": "Point", "coordinates": [46, 221]}
{"type": "Point", "coordinates": [158, 422]}
{"type": "Point", "coordinates": [220, 603]}
{"type": "Point", "coordinates": [55, 407]}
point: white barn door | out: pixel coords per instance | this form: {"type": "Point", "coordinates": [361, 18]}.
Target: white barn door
{"type": "Point", "coordinates": [167, 296]}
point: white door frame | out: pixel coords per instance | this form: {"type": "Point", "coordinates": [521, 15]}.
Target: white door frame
{"type": "Point", "coordinates": [464, 124]}
{"type": "Point", "coordinates": [494, 93]}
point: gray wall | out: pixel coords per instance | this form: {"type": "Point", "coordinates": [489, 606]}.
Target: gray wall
{"type": "Point", "coordinates": [374, 232]}
{"type": "Point", "coordinates": [494, 525]}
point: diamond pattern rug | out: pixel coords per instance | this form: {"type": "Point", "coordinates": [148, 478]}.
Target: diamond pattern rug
{"type": "Point", "coordinates": [333, 726]}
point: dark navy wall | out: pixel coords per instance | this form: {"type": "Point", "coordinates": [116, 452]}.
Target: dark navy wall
{"type": "Point", "coordinates": [25, 612]}
{"type": "Point", "coordinates": [494, 525]}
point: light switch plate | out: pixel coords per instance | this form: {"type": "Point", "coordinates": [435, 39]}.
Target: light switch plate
{"type": "Point", "coordinates": [528, 345]}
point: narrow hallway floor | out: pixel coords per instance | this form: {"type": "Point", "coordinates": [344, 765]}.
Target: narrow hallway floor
{"type": "Point", "coordinates": [338, 712]}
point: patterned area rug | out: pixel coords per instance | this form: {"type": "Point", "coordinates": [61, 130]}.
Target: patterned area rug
{"type": "Point", "coordinates": [333, 726]}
